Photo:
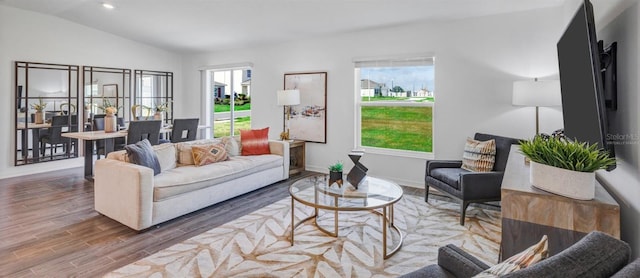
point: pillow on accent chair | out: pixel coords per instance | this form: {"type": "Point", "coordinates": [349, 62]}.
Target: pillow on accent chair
{"type": "Point", "coordinates": [142, 153]}
{"type": "Point", "coordinates": [479, 156]}
{"type": "Point", "coordinates": [526, 258]}
{"type": "Point", "coordinates": [255, 141]}
{"type": "Point", "coordinates": [207, 154]}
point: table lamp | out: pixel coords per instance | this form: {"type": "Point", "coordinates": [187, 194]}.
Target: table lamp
{"type": "Point", "coordinates": [536, 93]}
{"type": "Point", "coordinates": [287, 98]}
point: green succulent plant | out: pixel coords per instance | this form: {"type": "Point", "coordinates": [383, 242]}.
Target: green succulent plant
{"type": "Point", "coordinates": [562, 153]}
{"type": "Point", "coordinates": [337, 167]}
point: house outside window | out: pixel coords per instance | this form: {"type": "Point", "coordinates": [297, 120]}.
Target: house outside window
{"type": "Point", "coordinates": [395, 101]}
{"type": "Point", "coordinates": [229, 95]}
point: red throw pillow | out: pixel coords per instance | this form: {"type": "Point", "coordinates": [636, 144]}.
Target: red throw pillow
{"type": "Point", "coordinates": [255, 141]}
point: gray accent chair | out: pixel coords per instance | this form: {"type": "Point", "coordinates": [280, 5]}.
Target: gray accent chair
{"type": "Point", "coordinates": [595, 255]}
{"type": "Point", "coordinates": [469, 187]}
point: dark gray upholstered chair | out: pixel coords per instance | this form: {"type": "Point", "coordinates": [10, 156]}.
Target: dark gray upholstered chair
{"type": "Point", "coordinates": [595, 255]}
{"type": "Point", "coordinates": [140, 130]}
{"type": "Point", "coordinates": [184, 130]}
{"type": "Point", "coordinates": [53, 135]}
{"type": "Point", "coordinates": [469, 187]}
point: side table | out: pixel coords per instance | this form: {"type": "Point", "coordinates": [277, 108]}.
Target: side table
{"type": "Point", "coordinates": [296, 157]}
{"type": "Point", "coordinates": [529, 213]}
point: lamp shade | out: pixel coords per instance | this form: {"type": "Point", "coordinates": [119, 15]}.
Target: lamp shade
{"type": "Point", "coordinates": [288, 97]}
{"type": "Point", "coordinates": [536, 93]}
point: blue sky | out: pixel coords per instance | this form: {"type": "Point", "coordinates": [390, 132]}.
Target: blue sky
{"type": "Point", "coordinates": [409, 78]}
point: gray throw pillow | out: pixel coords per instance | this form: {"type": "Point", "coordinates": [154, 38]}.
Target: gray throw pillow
{"type": "Point", "coordinates": [142, 153]}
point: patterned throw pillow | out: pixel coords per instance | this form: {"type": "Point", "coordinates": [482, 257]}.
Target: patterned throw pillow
{"type": "Point", "coordinates": [479, 156]}
{"type": "Point", "coordinates": [526, 258]}
{"type": "Point", "coordinates": [184, 154]}
{"type": "Point", "coordinates": [207, 154]}
{"type": "Point", "coordinates": [255, 142]}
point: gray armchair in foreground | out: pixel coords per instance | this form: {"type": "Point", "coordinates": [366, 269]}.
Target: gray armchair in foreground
{"type": "Point", "coordinates": [470, 187]}
{"type": "Point", "coordinates": [595, 255]}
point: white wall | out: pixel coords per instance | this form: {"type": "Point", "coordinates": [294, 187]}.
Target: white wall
{"type": "Point", "coordinates": [624, 182]}
{"type": "Point", "coordinates": [33, 37]}
{"type": "Point", "coordinates": [477, 61]}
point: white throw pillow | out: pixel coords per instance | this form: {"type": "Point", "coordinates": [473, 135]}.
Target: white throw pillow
{"type": "Point", "coordinates": [166, 155]}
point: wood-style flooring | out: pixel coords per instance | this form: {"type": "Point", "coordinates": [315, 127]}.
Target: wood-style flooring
{"type": "Point", "coordinates": [48, 226]}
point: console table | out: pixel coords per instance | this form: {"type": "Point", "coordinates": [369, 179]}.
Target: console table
{"type": "Point", "coordinates": [529, 213]}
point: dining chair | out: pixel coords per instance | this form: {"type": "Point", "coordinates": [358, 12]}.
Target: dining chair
{"type": "Point", "coordinates": [54, 137]}
{"type": "Point", "coordinates": [184, 130]}
{"type": "Point", "coordinates": [140, 130]}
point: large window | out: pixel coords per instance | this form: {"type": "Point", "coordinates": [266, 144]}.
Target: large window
{"type": "Point", "coordinates": [395, 99]}
{"type": "Point", "coordinates": [230, 99]}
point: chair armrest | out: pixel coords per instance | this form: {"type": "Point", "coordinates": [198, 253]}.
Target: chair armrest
{"type": "Point", "coordinates": [459, 262]}
{"type": "Point", "coordinates": [124, 192]}
{"type": "Point", "coordinates": [434, 164]}
{"type": "Point", "coordinates": [481, 185]}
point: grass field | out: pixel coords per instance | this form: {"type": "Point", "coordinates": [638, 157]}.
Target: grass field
{"type": "Point", "coordinates": [401, 128]}
{"type": "Point", "coordinates": [223, 128]}
{"type": "Point", "coordinates": [226, 108]}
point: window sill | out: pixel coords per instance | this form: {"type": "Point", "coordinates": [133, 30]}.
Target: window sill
{"type": "Point", "coordinates": [397, 153]}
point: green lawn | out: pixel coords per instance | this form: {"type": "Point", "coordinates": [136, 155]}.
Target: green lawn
{"type": "Point", "coordinates": [223, 128]}
{"type": "Point", "coordinates": [226, 108]}
{"type": "Point", "coordinates": [402, 128]}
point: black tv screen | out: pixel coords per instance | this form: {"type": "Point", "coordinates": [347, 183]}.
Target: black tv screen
{"type": "Point", "coordinates": [581, 83]}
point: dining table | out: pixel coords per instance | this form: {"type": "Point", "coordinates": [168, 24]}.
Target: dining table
{"type": "Point", "coordinates": [89, 137]}
{"type": "Point", "coordinates": [35, 132]}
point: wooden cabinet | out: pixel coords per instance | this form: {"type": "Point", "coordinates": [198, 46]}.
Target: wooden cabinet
{"type": "Point", "coordinates": [296, 160]}
{"type": "Point", "coordinates": [529, 213]}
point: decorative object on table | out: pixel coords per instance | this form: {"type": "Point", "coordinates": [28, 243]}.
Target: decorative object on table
{"type": "Point", "coordinates": [335, 173]}
{"type": "Point", "coordinates": [359, 171]}
{"type": "Point", "coordinates": [160, 110]}
{"type": "Point", "coordinates": [308, 121]}
{"type": "Point", "coordinates": [110, 120]}
{"type": "Point", "coordinates": [565, 167]}
{"type": "Point", "coordinates": [287, 98]}
{"type": "Point", "coordinates": [536, 93]}
{"type": "Point", "coordinates": [71, 108]}
{"type": "Point", "coordinates": [39, 107]}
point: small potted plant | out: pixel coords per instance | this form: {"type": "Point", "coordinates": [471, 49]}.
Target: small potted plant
{"type": "Point", "coordinates": [110, 119]}
{"type": "Point", "coordinates": [565, 167]}
{"type": "Point", "coordinates": [39, 107]}
{"type": "Point", "coordinates": [335, 171]}
{"type": "Point", "coordinates": [160, 109]}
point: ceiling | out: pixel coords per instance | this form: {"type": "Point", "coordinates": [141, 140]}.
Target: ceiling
{"type": "Point", "coordinates": [189, 26]}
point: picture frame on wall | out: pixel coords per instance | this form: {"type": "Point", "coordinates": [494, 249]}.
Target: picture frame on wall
{"type": "Point", "coordinates": [308, 120]}
{"type": "Point", "coordinates": [110, 90]}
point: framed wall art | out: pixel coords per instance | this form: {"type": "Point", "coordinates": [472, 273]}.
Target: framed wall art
{"type": "Point", "coordinates": [308, 120]}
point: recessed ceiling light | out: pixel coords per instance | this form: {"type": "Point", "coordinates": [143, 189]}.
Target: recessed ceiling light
{"type": "Point", "coordinates": [108, 6]}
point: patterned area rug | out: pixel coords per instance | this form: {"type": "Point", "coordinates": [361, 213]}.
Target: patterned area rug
{"type": "Point", "coordinates": [257, 245]}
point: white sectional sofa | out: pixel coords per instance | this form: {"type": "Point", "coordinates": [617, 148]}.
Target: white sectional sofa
{"type": "Point", "coordinates": [133, 196]}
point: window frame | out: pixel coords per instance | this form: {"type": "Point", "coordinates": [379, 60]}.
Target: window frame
{"type": "Point", "coordinates": [389, 62]}
{"type": "Point", "coordinates": [207, 101]}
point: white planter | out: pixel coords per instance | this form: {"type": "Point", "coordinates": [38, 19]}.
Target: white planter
{"type": "Point", "coordinates": [572, 184]}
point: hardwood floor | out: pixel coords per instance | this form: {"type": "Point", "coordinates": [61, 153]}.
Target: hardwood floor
{"type": "Point", "coordinates": [48, 226]}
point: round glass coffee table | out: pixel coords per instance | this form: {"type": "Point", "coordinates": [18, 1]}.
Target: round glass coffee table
{"type": "Point", "coordinates": [372, 194]}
